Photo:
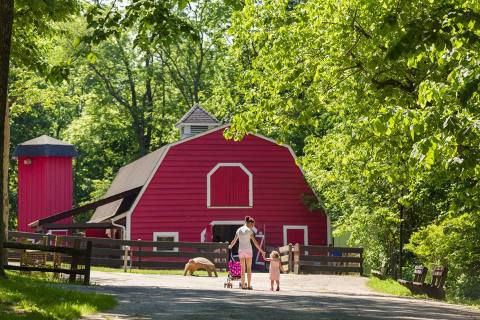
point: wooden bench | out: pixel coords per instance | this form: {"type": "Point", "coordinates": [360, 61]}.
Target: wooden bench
{"type": "Point", "coordinates": [419, 275]}
{"type": "Point", "coordinates": [436, 288]}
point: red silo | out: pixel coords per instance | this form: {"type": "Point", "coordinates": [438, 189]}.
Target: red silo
{"type": "Point", "coordinates": [45, 179]}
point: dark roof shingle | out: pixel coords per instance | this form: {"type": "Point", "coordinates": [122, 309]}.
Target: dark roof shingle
{"type": "Point", "coordinates": [45, 146]}
{"type": "Point", "coordinates": [198, 115]}
{"type": "Point", "coordinates": [132, 175]}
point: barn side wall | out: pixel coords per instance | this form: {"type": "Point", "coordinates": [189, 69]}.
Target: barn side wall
{"type": "Point", "coordinates": [45, 187]}
{"type": "Point", "coordinates": [176, 198]}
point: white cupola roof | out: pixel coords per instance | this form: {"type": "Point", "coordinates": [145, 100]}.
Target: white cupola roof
{"type": "Point", "coordinates": [195, 121]}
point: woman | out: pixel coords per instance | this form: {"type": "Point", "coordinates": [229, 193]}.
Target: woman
{"type": "Point", "coordinates": [245, 235]}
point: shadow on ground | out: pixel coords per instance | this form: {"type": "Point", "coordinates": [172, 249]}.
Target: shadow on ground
{"type": "Point", "coordinates": [145, 303]}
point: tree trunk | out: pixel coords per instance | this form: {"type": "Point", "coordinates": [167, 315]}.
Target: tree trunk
{"type": "Point", "coordinates": [401, 240]}
{"type": "Point", "coordinates": [148, 104]}
{"type": "Point", "coordinates": [5, 169]}
{"type": "Point", "coordinates": [6, 21]}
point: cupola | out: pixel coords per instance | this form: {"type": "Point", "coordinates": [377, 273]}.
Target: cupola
{"type": "Point", "coordinates": [195, 121]}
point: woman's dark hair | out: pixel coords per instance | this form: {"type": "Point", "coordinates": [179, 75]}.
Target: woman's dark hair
{"type": "Point", "coordinates": [249, 219]}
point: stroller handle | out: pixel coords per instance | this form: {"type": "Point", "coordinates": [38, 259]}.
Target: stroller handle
{"type": "Point", "coordinates": [231, 255]}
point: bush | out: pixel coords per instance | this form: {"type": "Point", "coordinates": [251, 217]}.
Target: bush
{"type": "Point", "coordinates": [455, 243]}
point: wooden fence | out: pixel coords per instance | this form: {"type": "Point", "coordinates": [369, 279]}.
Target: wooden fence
{"type": "Point", "coordinates": [286, 257]}
{"type": "Point", "coordinates": [77, 256]}
{"type": "Point", "coordinates": [140, 254]}
{"type": "Point", "coordinates": [321, 259]}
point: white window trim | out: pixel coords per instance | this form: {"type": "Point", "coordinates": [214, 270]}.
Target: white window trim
{"type": "Point", "coordinates": [165, 234]}
{"type": "Point", "coordinates": [231, 223]}
{"type": "Point", "coordinates": [250, 185]}
{"type": "Point", "coordinates": [57, 230]}
{"type": "Point", "coordinates": [305, 233]}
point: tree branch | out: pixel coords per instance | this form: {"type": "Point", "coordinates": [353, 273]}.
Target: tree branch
{"type": "Point", "coordinates": [131, 81]}
{"type": "Point", "coordinates": [110, 88]}
{"type": "Point", "coordinates": [390, 82]}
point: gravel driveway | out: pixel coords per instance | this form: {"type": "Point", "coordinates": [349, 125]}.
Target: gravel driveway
{"type": "Point", "coordinates": [302, 297]}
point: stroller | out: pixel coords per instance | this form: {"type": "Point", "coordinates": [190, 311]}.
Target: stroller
{"type": "Point", "coordinates": [234, 272]}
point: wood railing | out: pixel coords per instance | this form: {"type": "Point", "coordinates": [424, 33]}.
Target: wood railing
{"type": "Point", "coordinates": [140, 254]}
{"type": "Point", "coordinates": [77, 255]}
{"type": "Point", "coordinates": [173, 255]}
{"type": "Point", "coordinates": [286, 257]}
{"type": "Point", "coordinates": [321, 259]}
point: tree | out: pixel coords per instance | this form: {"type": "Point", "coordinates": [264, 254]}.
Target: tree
{"type": "Point", "coordinates": [194, 59]}
{"type": "Point", "coordinates": [134, 72]}
{"type": "Point", "coordinates": [386, 103]}
{"type": "Point", "coordinates": [37, 22]}
{"type": "Point", "coordinates": [31, 17]}
{"type": "Point", "coordinates": [6, 22]}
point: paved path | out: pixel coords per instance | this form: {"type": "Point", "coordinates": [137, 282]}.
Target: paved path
{"type": "Point", "coordinates": [303, 297]}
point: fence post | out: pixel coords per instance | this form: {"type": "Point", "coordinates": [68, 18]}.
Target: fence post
{"type": "Point", "coordinates": [361, 263]}
{"type": "Point", "coordinates": [139, 258]}
{"type": "Point", "coordinates": [125, 258]}
{"type": "Point", "coordinates": [51, 238]}
{"type": "Point", "coordinates": [74, 262]}
{"type": "Point", "coordinates": [131, 258]}
{"type": "Point", "coordinates": [88, 262]}
{"type": "Point", "coordinates": [296, 259]}
{"type": "Point", "coordinates": [57, 257]}
{"type": "Point", "coordinates": [290, 258]}
{"type": "Point", "coordinates": [226, 257]}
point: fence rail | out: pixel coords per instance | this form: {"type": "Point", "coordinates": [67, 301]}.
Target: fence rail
{"type": "Point", "coordinates": [321, 259]}
{"type": "Point", "coordinates": [78, 257]}
{"type": "Point", "coordinates": [138, 253]}
{"type": "Point", "coordinates": [173, 255]}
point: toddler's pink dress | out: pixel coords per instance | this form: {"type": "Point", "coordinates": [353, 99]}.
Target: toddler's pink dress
{"type": "Point", "coordinates": [275, 270]}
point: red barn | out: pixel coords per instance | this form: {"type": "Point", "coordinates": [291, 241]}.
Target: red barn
{"type": "Point", "coordinates": [201, 187]}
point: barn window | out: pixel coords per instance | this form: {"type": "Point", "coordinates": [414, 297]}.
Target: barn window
{"type": "Point", "coordinates": [229, 185]}
{"type": "Point", "coordinates": [167, 237]}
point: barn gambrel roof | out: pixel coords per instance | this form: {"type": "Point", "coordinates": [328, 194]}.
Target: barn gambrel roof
{"type": "Point", "coordinates": [146, 167]}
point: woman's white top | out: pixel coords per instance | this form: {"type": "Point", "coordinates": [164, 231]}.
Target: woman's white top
{"type": "Point", "coordinates": [244, 234]}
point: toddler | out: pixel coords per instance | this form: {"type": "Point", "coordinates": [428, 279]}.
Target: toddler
{"type": "Point", "coordinates": [275, 268]}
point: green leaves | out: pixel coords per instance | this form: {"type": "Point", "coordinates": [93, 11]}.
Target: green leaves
{"type": "Point", "coordinates": [385, 98]}
{"type": "Point", "coordinates": [76, 42]}
{"type": "Point", "coordinates": [155, 22]}
{"type": "Point", "coordinates": [91, 57]}
{"type": "Point", "coordinates": [452, 242]}
{"type": "Point", "coordinates": [379, 127]}
{"type": "Point", "coordinates": [382, 102]}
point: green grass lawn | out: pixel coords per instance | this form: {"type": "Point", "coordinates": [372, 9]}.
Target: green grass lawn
{"type": "Point", "coordinates": [163, 272]}
{"type": "Point", "coordinates": [392, 287]}
{"type": "Point", "coordinates": [35, 298]}
{"type": "Point", "coordinates": [388, 286]}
